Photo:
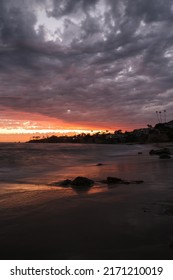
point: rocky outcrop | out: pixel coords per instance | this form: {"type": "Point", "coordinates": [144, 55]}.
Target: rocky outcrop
{"type": "Point", "coordinates": [115, 180]}
{"type": "Point", "coordinates": [164, 156]}
{"type": "Point", "coordinates": [78, 182]}
{"type": "Point", "coordinates": [82, 182]}
{"type": "Point", "coordinates": [163, 153]}
{"type": "Point", "coordinates": [65, 183]}
{"type": "Point", "coordinates": [160, 151]}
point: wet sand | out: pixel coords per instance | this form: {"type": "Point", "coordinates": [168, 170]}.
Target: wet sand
{"type": "Point", "coordinates": [118, 222]}
{"type": "Point", "coordinates": [125, 222]}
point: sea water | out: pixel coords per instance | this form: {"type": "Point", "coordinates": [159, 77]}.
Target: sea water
{"type": "Point", "coordinates": [42, 164]}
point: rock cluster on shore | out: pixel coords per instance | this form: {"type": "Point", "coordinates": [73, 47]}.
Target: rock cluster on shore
{"type": "Point", "coordinates": [115, 180]}
{"type": "Point", "coordinates": [78, 182]}
{"type": "Point", "coordinates": [82, 182]}
{"type": "Point", "coordinates": [86, 183]}
{"type": "Point", "coordinates": [163, 153]}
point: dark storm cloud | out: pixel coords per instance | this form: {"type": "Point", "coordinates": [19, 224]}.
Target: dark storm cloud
{"type": "Point", "coordinates": [65, 7]}
{"type": "Point", "coordinates": [107, 62]}
{"type": "Point", "coordinates": [150, 10]}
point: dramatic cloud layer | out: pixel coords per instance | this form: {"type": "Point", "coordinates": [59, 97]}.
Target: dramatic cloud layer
{"type": "Point", "coordinates": [91, 63]}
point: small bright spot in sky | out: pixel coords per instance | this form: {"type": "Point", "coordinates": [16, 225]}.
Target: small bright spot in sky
{"type": "Point", "coordinates": [118, 32]}
{"type": "Point", "coordinates": [142, 23]}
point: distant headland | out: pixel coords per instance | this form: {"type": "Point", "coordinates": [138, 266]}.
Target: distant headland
{"type": "Point", "coordinates": [161, 132]}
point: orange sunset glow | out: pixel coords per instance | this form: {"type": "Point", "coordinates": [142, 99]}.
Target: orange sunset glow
{"type": "Point", "coordinates": [24, 126]}
{"type": "Point", "coordinates": [77, 67]}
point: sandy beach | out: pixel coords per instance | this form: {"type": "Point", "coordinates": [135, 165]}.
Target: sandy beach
{"type": "Point", "coordinates": [134, 221]}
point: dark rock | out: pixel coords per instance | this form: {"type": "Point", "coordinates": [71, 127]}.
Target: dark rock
{"type": "Point", "coordinates": [82, 182]}
{"type": "Point", "coordinates": [139, 153]}
{"type": "Point", "coordinates": [65, 183]}
{"type": "Point", "coordinates": [137, 181]}
{"type": "Point", "coordinates": [160, 151]}
{"type": "Point", "coordinates": [133, 182]}
{"type": "Point", "coordinates": [114, 180]}
{"type": "Point", "coordinates": [152, 152]}
{"type": "Point", "coordinates": [146, 210]}
{"type": "Point", "coordinates": [125, 182]}
{"type": "Point", "coordinates": [168, 211]}
{"type": "Point", "coordinates": [164, 156]}
{"type": "Point", "coordinates": [103, 181]}
{"type": "Point", "coordinates": [99, 164]}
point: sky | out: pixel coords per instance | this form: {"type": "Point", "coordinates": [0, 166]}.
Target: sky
{"type": "Point", "coordinates": [82, 65]}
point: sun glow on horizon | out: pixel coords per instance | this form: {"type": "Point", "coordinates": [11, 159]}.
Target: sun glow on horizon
{"type": "Point", "coordinates": [25, 130]}
{"type": "Point", "coordinates": [23, 135]}
{"type": "Point", "coordinates": [22, 127]}
{"type": "Point", "coordinates": [42, 131]}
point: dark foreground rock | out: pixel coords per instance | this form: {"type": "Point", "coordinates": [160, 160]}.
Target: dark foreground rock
{"type": "Point", "coordinates": [115, 180]}
{"type": "Point", "coordinates": [78, 182]}
{"type": "Point", "coordinates": [82, 182]}
{"type": "Point", "coordinates": [65, 183]}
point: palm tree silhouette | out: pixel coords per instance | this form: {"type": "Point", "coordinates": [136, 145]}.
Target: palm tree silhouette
{"type": "Point", "coordinates": [160, 114]}
{"type": "Point", "coordinates": [164, 115]}
{"type": "Point", "coordinates": [157, 116]}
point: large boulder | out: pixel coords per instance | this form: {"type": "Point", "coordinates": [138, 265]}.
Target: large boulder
{"type": "Point", "coordinates": [82, 182]}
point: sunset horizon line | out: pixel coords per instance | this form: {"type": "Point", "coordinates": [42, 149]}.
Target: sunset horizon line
{"type": "Point", "coordinates": [23, 135]}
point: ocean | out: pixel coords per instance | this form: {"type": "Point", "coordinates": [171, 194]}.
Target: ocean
{"type": "Point", "coordinates": [40, 163]}
{"type": "Point", "coordinates": [41, 166]}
